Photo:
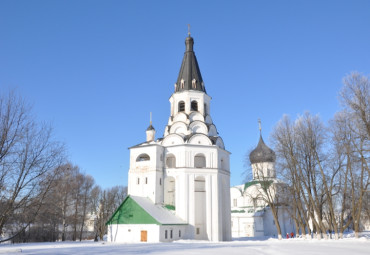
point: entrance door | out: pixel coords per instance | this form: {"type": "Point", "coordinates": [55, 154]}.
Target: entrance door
{"type": "Point", "coordinates": [144, 235]}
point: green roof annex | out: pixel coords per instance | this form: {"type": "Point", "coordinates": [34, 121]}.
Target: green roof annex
{"type": "Point", "coordinates": [141, 210]}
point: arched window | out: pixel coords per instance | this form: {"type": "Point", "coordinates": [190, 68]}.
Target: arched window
{"type": "Point", "coordinates": [199, 161]}
{"type": "Point", "coordinates": [194, 105]}
{"type": "Point", "coordinates": [171, 161]}
{"type": "Point", "coordinates": [143, 157]}
{"type": "Point", "coordinates": [205, 110]}
{"type": "Point", "coordinates": [181, 106]}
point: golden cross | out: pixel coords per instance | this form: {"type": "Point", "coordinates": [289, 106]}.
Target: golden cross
{"type": "Point", "coordinates": [259, 125]}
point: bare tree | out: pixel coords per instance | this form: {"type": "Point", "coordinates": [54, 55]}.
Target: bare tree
{"type": "Point", "coordinates": [299, 145]}
{"type": "Point", "coordinates": [105, 203]}
{"type": "Point", "coordinates": [28, 154]}
{"type": "Point", "coordinates": [86, 189]}
{"type": "Point", "coordinates": [354, 126]}
{"type": "Point", "coordinates": [355, 97]}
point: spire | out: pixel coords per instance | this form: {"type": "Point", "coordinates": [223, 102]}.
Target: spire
{"type": "Point", "coordinates": [190, 77]}
{"type": "Point", "coordinates": [259, 126]}
{"type": "Point", "coordinates": [150, 125]}
{"type": "Point", "coordinates": [150, 131]}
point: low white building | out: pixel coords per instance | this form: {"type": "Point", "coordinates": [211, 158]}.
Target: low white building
{"type": "Point", "coordinates": [178, 185]}
{"type": "Point", "coordinates": [250, 214]}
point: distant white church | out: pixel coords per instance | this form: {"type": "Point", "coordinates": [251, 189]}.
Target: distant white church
{"type": "Point", "coordinates": [251, 216]}
{"type": "Point", "coordinates": [178, 185]}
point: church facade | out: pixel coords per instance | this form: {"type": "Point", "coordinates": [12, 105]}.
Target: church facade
{"type": "Point", "coordinates": [178, 185]}
{"type": "Point", "coordinates": [251, 214]}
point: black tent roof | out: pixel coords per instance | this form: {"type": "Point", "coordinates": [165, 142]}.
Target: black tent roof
{"type": "Point", "coordinates": [189, 77]}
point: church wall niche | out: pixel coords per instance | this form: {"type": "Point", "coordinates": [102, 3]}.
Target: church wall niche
{"type": "Point", "coordinates": [200, 208]}
{"type": "Point", "coordinates": [171, 161]}
{"type": "Point", "coordinates": [199, 161]}
{"type": "Point", "coordinates": [169, 191]}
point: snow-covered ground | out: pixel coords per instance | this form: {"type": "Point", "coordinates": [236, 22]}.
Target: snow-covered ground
{"type": "Point", "coordinates": [347, 246]}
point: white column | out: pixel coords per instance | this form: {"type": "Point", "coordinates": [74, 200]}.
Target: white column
{"type": "Point", "coordinates": [209, 206]}
{"type": "Point", "coordinates": [215, 218]}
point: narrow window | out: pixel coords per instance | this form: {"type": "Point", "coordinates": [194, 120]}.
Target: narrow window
{"type": "Point", "coordinates": [146, 180]}
{"type": "Point", "coordinates": [165, 234]}
{"type": "Point", "coordinates": [194, 105]}
{"type": "Point", "coordinates": [235, 202]}
{"type": "Point", "coordinates": [198, 231]}
{"type": "Point", "coordinates": [205, 110]}
{"type": "Point", "coordinates": [179, 233]}
{"type": "Point", "coordinates": [181, 106]}
{"type": "Point", "coordinates": [160, 181]}
{"type": "Point", "coordinates": [171, 234]}
{"type": "Point", "coordinates": [138, 181]}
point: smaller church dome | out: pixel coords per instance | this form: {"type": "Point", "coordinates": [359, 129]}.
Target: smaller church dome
{"type": "Point", "coordinates": [262, 153]}
{"type": "Point", "coordinates": [150, 128]}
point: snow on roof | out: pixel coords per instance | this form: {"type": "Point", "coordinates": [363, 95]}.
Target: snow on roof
{"type": "Point", "coordinates": [158, 212]}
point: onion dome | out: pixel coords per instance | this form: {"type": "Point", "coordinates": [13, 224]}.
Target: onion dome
{"type": "Point", "coordinates": [262, 153]}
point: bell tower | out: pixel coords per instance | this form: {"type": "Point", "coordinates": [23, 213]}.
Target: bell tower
{"type": "Point", "coordinates": [196, 162]}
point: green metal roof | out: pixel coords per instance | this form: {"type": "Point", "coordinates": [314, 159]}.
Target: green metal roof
{"type": "Point", "coordinates": [129, 212]}
{"type": "Point", "coordinates": [264, 184]}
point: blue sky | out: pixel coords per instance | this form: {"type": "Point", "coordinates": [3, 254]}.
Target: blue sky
{"type": "Point", "coordinates": [95, 69]}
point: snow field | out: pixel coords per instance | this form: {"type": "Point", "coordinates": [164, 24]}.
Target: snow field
{"type": "Point", "coordinates": [348, 246]}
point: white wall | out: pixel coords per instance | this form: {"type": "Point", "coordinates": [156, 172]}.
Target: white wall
{"type": "Point", "coordinates": [188, 96]}
{"type": "Point", "coordinates": [263, 170]}
{"type": "Point", "coordinates": [131, 233]}
{"type": "Point", "coordinates": [146, 177]}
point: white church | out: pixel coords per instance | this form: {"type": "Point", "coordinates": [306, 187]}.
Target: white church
{"type": "Point", "coordinates": [178, 185]}
{"type": "Point", "coordinates": [250, 213]}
